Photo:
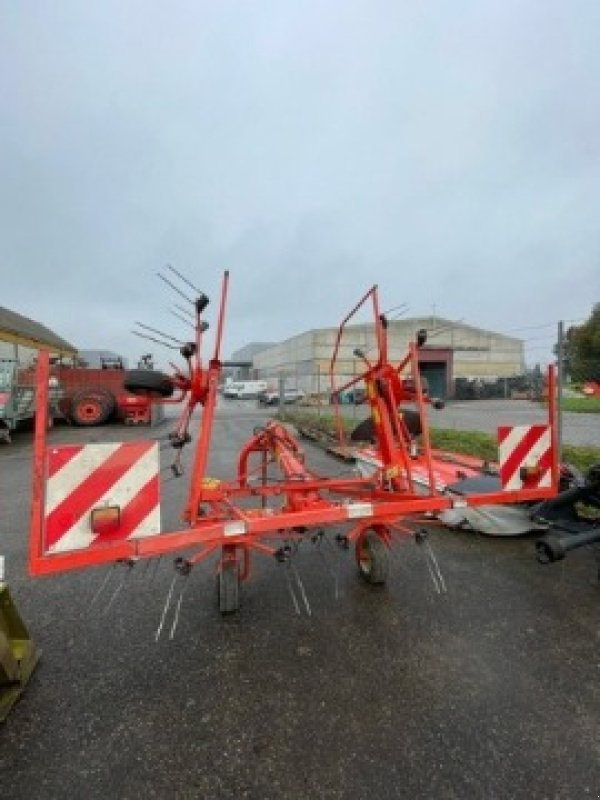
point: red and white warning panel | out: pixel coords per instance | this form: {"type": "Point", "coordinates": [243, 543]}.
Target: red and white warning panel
{"type": "Point", "coordinates": [525, 456]}
{"type": "Point", "coordinates": [99, 495]}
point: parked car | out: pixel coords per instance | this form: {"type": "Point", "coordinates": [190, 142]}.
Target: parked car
{"type": "Point", "coordinates": [271, 398]}
{"type": "Point", "coordinates": [293, 395]}
{"type": "Point", "coordinates": [244, 390]}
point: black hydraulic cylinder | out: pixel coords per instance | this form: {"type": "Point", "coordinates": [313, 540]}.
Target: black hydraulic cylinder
{"type": "Point", "coordinates": [552, 547]}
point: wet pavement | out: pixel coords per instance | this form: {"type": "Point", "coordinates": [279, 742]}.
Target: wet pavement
{"type": "Point", "coordinates": [490, 691]}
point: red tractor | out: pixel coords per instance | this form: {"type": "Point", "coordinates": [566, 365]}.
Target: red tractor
{"type": "Point", "coordinates": [90, 397]}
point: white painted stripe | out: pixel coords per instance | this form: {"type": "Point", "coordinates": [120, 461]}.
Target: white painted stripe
{"type": "Point", "coordinates": [137, 476]}
{"type": "Point", "coordinates": [149, 526]}
{"type": "Point", "coordinates": [531, 459]}
{"type": "Point", "coordinates": [514, 483]}
{"type": "Point", "coordinates": [68, 478]}
{"type": "Point", "coordinates": [546, 481]}
{"type": "Point", "coordinates": [359, 510]}
{"type": "Point", "coordinates": [124, 490]}
{"type": "Point", "coordinates": [538, 449]}
{"type": "Point", "coordinates": [77, 538]}
{"type": "Point", "coordinates": [234, 528]}
{"type": "Point", "coordinates": [512, 441]}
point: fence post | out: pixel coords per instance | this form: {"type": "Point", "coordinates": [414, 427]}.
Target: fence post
{"type": "Point", "coordinates": [319, 399]}
{"type": "Point", "coordinates": [281, 392]}
{"type": "Point", "coordinates": [354, 390]}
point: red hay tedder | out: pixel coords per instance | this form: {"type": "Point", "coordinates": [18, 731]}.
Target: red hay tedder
{"type": "Point", "coordinates": [97, 506]}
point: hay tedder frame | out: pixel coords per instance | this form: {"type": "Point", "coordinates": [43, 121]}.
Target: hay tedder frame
{"type": "Point", "coordinates": [257, 512]}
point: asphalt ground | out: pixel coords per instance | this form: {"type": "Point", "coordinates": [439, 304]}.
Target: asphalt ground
{"type": "Point", "coordinates": [489, 691]}
{"type": "Point", "coordinates": [487, 415]}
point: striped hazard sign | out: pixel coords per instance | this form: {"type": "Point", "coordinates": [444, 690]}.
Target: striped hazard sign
{"type": "Point", "coordinates": [100, 493]}
{"type": "Point", "coordinates": [525, 456]}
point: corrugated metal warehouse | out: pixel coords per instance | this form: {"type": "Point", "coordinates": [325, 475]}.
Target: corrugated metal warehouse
{"type": "Point", "coordinates": [453, 350]}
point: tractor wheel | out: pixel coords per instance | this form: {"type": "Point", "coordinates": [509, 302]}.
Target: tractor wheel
{"type": "Point", "coordinates": [228, 587]}
{"type": "Point", "coordinates": [372, 557]}
{"type": "Point", "coordinates": [148, 382]}
{"type": "Point", "coordinates": [91, 407]}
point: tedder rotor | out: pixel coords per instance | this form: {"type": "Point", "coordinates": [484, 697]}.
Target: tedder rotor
{"type": "Point", "coordinates": [96, 504]}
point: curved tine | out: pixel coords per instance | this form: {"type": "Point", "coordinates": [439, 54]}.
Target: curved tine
{"type": "Point", "coordinates": [436, 566]}
{"type": "Point", "coordinates": [103, 585]}
{"type": "Point", "coordinates": [160, 333]}
{"type": "Point", "coordinates": [117, 591]}
{"type": "Point", "coordinates": [183, 278]}
{"type": "Point", "coordinates": [432, 575]}
{"type": "Point", "coordinates": [301, 587]}
{"type": "Point", "coordinates": [175, 622]}
{"type": "Point", "coordinates": [157, 341]}
{"type": "Point", "coordinates": [175, 288]}
{"type": "Point", "coordinates": [291, 588]}
{"type": "Point", "coordinates": [187, 312]}
{"type": "Point", "coordinates": [182, 318]}
{"type": "Point", "coordinates": [165, 609]}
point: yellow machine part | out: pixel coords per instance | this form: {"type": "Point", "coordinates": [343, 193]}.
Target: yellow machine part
{"type": "Point", "coordinates": [18, 653]}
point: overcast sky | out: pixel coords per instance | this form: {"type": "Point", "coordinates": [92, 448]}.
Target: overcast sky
{"type": "Point", "coordinates": [448, 151]}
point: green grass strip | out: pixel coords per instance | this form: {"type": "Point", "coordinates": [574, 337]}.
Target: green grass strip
{"type": "Point", "coordinates": [471, 443]}
{"type": "Point", "coordinates": [581, 405]}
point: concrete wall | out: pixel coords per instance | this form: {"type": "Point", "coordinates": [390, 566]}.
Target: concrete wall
{"type": "Point", "coordinates": [477, 352]}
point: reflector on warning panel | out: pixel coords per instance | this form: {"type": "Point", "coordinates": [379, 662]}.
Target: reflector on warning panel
{"type": "Point", "coordinates": [99, 496]}
{"type": "Point", "coordinates": [105, 519]}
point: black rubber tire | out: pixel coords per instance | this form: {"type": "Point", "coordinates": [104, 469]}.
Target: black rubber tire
{"type": "Point", "coordinates": [365, 430]}
{"type": "Point", "coordinates": [412, 420]}
{"type": "Point", "coordinates": [90, 407]}
{"type": "Point", "coordinates": [148, 382]}
{"type": "Point", "coordinates": [373, 558]}
{"type": "Point", "coordinates": [228, 587]}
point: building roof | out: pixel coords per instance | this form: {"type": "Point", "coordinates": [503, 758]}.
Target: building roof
{"type": "Point", "coordinates": [24, 331]}
{"type": "Point", "coordinates": [435, 325]}
{"type": "Point", "coordinates": [248, 351]}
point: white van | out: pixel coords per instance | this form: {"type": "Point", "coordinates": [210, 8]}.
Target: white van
{"type": "Point", "coordinates": [244, 390]}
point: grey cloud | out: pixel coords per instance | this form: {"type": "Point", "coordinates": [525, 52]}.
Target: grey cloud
{"type": "Point", "coordinates": [447, 151]}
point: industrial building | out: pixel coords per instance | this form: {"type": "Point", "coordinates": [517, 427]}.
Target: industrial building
{"type": "Point", "coordinates": [21, 338]}
{"type": "Point", "coordinates": [453, 350]}
{"type": "Point", "coordinates": [240, 366]}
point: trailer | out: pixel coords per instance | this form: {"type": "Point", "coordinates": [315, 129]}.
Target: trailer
{"type": "Point", "coordinates": [93, 397]}
{"type": "Point", "coordinates": [17, 399]}
{"type": "Point", "coordinates": [78, 395]}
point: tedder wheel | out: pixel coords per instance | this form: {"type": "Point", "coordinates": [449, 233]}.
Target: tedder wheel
{"type": "Point", "coordinates": [228, 587]}
{"type": "Point", "coordinates": [372, 557]}
{"type": "Point", "coordinates": [91, 407]}
{"type": "Point", "coordinates": [148, 381]}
